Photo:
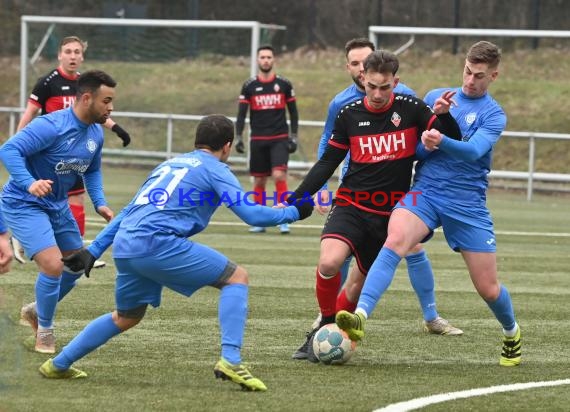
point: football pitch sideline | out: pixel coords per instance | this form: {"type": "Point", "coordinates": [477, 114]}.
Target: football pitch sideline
{"type": "Point", "coordinates": [166, 363]}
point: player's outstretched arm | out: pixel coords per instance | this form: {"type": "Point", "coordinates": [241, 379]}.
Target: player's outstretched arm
{"type": "Point", "coordinates": [319, 173]}
{"type": "Point", "coordinates": [104, 238]}
{"type": "Point", "coordinates": [119, 131]}
{"type": "Point", "coordinates": [31, 111]}
{"type": "Point", "coordinates": [258, 215]}
{"type": "Point", "coordinates": [94, 185]}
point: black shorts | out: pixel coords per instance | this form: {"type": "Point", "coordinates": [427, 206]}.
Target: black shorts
{"type": "Point", "coordinates": [78, 188]}
{"type": "Point", "coordinates": [266, 155]}
{"type": "Point", "coordinates": [364, 232]}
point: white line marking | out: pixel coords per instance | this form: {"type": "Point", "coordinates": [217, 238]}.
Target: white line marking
{"type": "Point", "coordinates": [450, 396]}
{"type": "Point", "coordinates": [97, 223]}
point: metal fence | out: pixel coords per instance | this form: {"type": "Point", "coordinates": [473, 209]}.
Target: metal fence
{"type": "Point", "coordinates": [530, 176]}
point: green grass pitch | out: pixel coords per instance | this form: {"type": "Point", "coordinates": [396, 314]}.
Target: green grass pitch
{"type": "Point", "coordinates": [166, 363]}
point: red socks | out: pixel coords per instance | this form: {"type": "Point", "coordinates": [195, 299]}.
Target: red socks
{"type": "Point", "coordinates": [78, 212]}
{"type": "Point", "coordinates": [259, 195]}
{"type": "Point", "coordinates": [327, 291]}
{"type": "Point", "coordinates": [281, 189]}
{"type": "Point", "coordinates": [342, 303]}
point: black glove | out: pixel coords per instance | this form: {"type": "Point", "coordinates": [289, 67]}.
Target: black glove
{"type": "Point", "coordinates": [82, 260]}
{"type": "Point", "coordinates": [292, 142]}
{"type": "Point", "coordinates": [305, 208]}
{"type": "Point", "coordinates": [240, 148]}
{"type": "Point", "coordinates": [122, 133]}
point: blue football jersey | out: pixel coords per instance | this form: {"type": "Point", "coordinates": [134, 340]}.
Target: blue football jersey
{"type": "Point", "coordinates": [178, 199]}
{"type": "Point", "coordinates": [458, 169]}
{"type": "Point", "coordinates": [56, 146]}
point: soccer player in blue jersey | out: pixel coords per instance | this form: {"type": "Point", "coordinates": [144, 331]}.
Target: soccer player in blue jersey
{"type": "Point", "coordinates": [44, 160]}
{"type": "Point", "coordinates": [452, 180]}
{"type": "Point", "coordinates": [56, 90]}
{"type": "Point", "coordinates": [151, 250]}
{"type": "Point", "coordinates": [419, 267]}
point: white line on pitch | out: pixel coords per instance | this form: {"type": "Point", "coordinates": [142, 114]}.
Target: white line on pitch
{"type": "Point", "coordinates": [98, 223]}
{"type": "Point", "coordinates": [444, 397]}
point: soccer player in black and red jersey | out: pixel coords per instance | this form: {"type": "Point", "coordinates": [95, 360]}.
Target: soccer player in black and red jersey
{"type": "Point", "coordinates": [381, 131]}
{"type": "Point", "coordinates": [55, 91]}
{"type": "Point", "coordinates": [267, 95]}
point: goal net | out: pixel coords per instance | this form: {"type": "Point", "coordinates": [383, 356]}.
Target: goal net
{"type": "Point", "coordinates": [204, 53]}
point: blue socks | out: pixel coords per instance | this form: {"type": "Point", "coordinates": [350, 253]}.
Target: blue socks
{"type": "Point", "coordinates": [95, 334]}
{"type": "Point", "coordinates": [47, 293]}
{"type": "Point", "coordinates": [421, 278]}
{"type": "Point", "coordinates": [503, 309]}
{"type": "Point", "coordinates": [67, 283]}
{"type": "Point", "coordinates": [378, 279]}
{"type": "Point", "coordinates": [232, 314]}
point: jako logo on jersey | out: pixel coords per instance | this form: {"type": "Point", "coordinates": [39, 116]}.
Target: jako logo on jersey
{"type": "Point", "coordinates": [258, 89]}
{"type": "Point", "coordinates": [396, 119]}
{"type": "Point", "coordinates": [268, 101]}
{"type": "Point", "coordinates": [91, 145]}
{"type": "Point", "coordinates": [64, 87]}
{"type": "Point", "coordinates": [470, 118]}
{"type": "Point", "coordinates": [363, 123]}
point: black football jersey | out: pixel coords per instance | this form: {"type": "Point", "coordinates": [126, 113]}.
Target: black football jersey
{"type": "Point", "coordinates": [382, 146]}
{"type": "Point", "coordinates": [54, 91]}
{"type": "Point", "coordinates": [267, 102]}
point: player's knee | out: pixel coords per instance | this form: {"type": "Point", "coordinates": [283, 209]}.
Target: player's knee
{"type": "Point", "coordinates": [260, 181]}
{"type": "Point", "coordinates": [51, 268]}
{"type": "Point", "coordinates": [416, 249]}
{"type": "Point", "coordinates": [489, 293]}
{"type": "Point", "coordinates": [240, 276]}
{"type": "Point", "coordinates": [279, 175]}
{"type": "Point", "coordinates": [78, 199]}
{"type": "Point", "coordinates": [328, 269]}
{"type": "Point", "coordinates": [397, 242]}
{"type": "Point", "coordinates": [126, 319]}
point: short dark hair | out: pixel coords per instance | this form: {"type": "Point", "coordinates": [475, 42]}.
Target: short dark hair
{"type": "Point", "coordinates": [91, 80]}
{"type": "Point", "coordinates": [213, 132]}
{"type": "Point", "coordinates": [358, 43]}
{"type": "Point", "coordinates": [484, 52]}
{"type": "Point", "coordinates": [381, 61]}
{"type": "Point", "coordinates": [266, 47]}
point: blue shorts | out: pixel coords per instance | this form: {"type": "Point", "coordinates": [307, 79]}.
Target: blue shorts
{"type": "Point", "coordinates": [466, 227]}
{"type": "Point", "coordinates": [185, 268]}
{"type": "Point", "coordinates": [38, 228]}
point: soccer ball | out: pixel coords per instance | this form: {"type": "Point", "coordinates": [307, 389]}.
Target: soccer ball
{"type": "Point", "coordinates": [332, 346]}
